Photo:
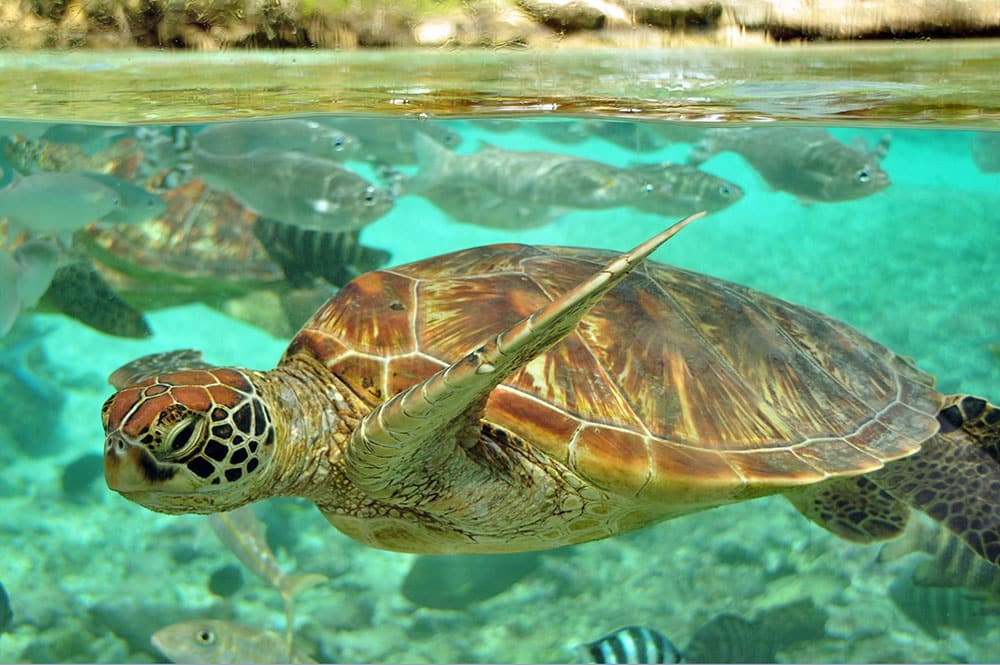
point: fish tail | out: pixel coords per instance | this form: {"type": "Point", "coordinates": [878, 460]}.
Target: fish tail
{"type": "Point", "coordinates": [292, 585]}
{"type": "Point", "coordinates": [435, 162]}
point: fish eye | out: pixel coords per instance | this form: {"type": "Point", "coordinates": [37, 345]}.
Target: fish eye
{"type": "Point", "coordinates": [183, 437]}
{"type": "Point", "coordinates": [338, 143]}
{"type": "Point", "coordinates": [864, 175]}
{"type": "Point", "coordinates": [369, 196]}
{"type": "Point", "coordinates": [648, 188]}
{"type": "Point", "coordinates": [206, 637]}
{"type": "Point", "coordinates": [724, 190]}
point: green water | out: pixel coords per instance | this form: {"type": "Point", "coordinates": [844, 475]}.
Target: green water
{"type": "Point", "coordinates": [91, 576]}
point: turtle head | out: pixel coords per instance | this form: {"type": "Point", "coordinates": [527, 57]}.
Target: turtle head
{"type": "Point", "coordinates": [188, 441]}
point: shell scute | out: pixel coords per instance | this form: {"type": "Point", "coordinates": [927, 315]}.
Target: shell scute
{"type": "Point", "coordinates": [675, 386]}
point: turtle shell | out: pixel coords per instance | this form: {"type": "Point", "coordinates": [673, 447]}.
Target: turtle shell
{"type": "Point", "coordinates": [676, 387]}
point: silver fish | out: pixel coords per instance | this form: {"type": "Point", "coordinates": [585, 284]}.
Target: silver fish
{"type": "Point", "coordinates": [986, 151]}
{"type": "Point", "coordinates": [294, 188]}
{"type": "Point", "coordinates": [805, 161]}
{"type": "Point", "coordinates": [136, 205]}
{"type": "Point", "coordinates": [243, 534]}
{"type": "Point", "coordinates": [392, 140]}
{"type": "Point", "coordinates": [673, 189]}
{"type": "Point", "coordinates": [632, 644]}
{"type": "Point", "coordinates": [217, 641]}
{"type": "Point", "coordinates": [55, 203]}
{"type": "Point", "coordinates": [531, 178]}
{"type": "Point", "coordinates": [469, 204]}
{"type": "Point", "coordinates": [289, 135]}
{"type": "Point", "coordinates": [25, 276]}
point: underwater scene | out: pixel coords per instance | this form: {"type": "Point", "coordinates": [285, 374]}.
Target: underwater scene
{"type": "Point", "coordinates": [135, 257]}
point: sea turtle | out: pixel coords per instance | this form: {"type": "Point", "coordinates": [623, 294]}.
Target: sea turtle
{"type": "Point", "coordinates": [514, 397]}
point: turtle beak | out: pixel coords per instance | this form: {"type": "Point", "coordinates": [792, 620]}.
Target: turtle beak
{"type": "Point", "coordinates": [131, 468]}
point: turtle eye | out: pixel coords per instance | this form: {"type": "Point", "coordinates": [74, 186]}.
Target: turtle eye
{"type": "Point", "coordinates": [863, 175]}
{"type": "Point", "coordinates": [182, 438]}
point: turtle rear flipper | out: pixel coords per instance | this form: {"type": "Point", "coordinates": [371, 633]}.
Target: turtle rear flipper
{"type": "Point", "coordinates": [79, 291]}
{"type": "Point", "coordinates": [303, 254]}
{"type": "Point", "coordinates": [955, 477]}
{"type": "Point", "coordinates": [853, 508]}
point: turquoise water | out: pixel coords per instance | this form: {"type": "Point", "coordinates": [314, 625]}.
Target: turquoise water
{"type": "Point", "coordinates": [91, 576]}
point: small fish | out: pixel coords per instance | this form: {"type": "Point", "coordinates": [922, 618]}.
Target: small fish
{"type": "Point", "coordinates": [632, 644]}
{"type": "Point", "coordinates": [634, 136]}
{"type": "Point", "coordinates": [951, 562]}
{"type": "Point", "coordinates": [243, 534]}
{"type": "Point", "coordinates": [456, 581]}
{"type": "Point", "coordinates": [25, 275]}
{"type": "Point", "coordinates": [391, 140]}
{"type": "Point", "coordinates": [726, 638]}
{"type": "Point", "coordinates": [303, 254]}
{"type": "Point", "coordinates": [55, 203]}
{"type": "Point", "coordinates": [135, 205]}
{"type": "Point", "coordinates": [673, 189]}
{"type": "Point", "coordinates": [216, 641]}
{"type": "Point", "coordinates": [298, 189]}
{"type": "Point", "coordinates": [290, 135]}
{"type": "Point", "coordinates": [91, 138]}
{"type": "Point", "coordinates": [532, 178]}
{"type": "Point", "coordinates": [805, 161]}
{"type": "Point", "coordinates": [469, 204]}
{"type": "Point", "coordinates": [933, 607]}
{"type": "Point", "coordinates": [986, 151]}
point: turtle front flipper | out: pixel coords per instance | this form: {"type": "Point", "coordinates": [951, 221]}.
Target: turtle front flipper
{"type": "Point", "coordinates": [156, 363]}
{"type": "Point", "coordinates": [955, 477]}
{"type": "Point", "coordinates": [405, 437]}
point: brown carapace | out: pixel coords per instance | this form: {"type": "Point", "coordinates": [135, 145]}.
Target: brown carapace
{"type": "Point", "coordinates": [512, 398]}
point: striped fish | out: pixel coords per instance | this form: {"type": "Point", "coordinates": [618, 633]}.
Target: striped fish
{"type": "Point", "coordinates": [951, 562]}
{"type": "Point", "coordinates": [302, 253]}
{"type": "Point", "coordinates": [932, 607]}
{"type": "Point", "coordinates": [632, 644]}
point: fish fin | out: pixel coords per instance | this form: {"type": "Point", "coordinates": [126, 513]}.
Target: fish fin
{"type": "Point", "coordinates": [955, 476]}
{"type": "Point", "coordinates": [435, 162]}
{"type": "Point", "coordinates": [701, 152]}
{"type": "Point", "coordinates": [38, 259]}
{"type": "Point", "coordinates": [881, 148]}
{"type": "Point", "coordinates": [155, 363]}
{"type": "Point", "coordinates": [927, 572]}
{"type": "Point", "coordinates": [293, 585]}
{"type": "Point", "coordinates": [853, 508]}
{"type": "Point", "coordinates": [10, 301]}
{"type": "Point", "coordinates": [79, 291]}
